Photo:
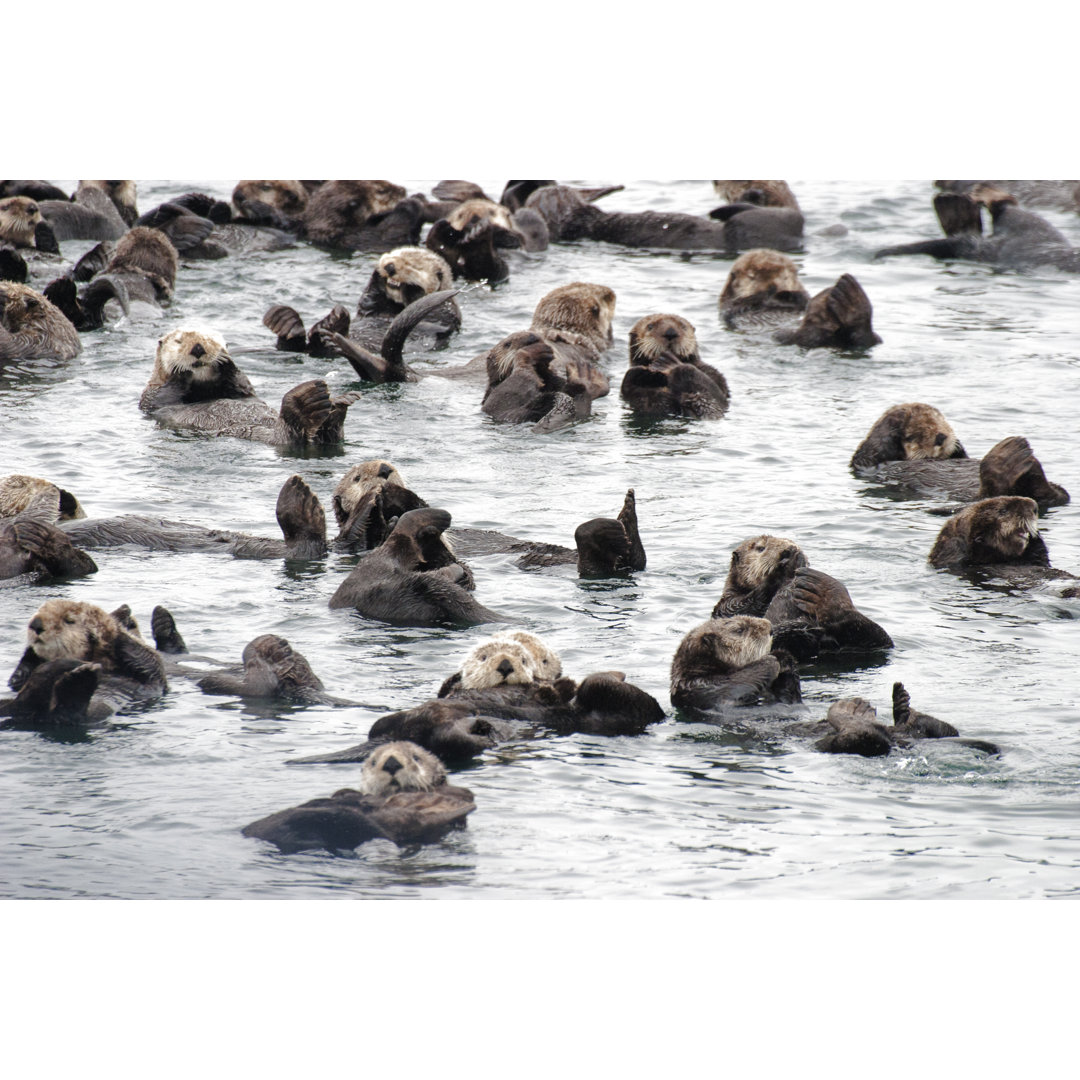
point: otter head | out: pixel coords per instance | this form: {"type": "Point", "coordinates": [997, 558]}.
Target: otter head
{"type": "Point", "coordinates": [150, 252]}
{"type": "Point", "coordinates": [758, 192]}
{"type": "Point", "coordinates": [545, 659]}
{"type": "Point", "coordinates": [358, 481]}
{"type": "Point", "coordinates": [499, 661]}
{"type": "Point", "coordinates": [500, 358]}
{"type": "Point", "coordinates": [564, 209]}
{"type": "Point", "coordinates": [17, 492]}
{"type": "Point", "coordinates": [342, 204]}
{"type": "Point", "coordinates": [997, 530]}
{"type": "Point", "coordinates": [65, 628]}
{"type": "Point", "coordinates": [474, 217]}
{"type": "Point", "coordinates": [121, 193]}
{"type": "Point", "coordinates": [722, 645]}
{"type": "Point", "coordinates": [579, 308]}
{"type": "Point", "coordinates": [408, 273]}
{"type": "Point", "coordinates": [21, 308]}
{"type": "Point", "coordinates": [762, 271]}
{"type": "Point", "coordinates": [991, 196]}
{"type": "Point", "coordinates": [911, 432]}
{"type": "Point", "coordinates": [654, 335]}
{"type": "Point", "coordinates": [193, 353]}
{"type": "Point", "coordinates": [401, 766]}
{"type": "Point", "coordinates": [287, 197]}
{"type": "Point", "coordinates": [19, 217]}
{"type": "Point", "coordinates": [760, 559]}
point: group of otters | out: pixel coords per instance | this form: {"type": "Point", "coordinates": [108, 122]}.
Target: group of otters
{"type": "Point", "coordinates": [775, 612]}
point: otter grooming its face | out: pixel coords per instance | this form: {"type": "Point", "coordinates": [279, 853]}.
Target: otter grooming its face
{"type": "Point", "coordinates": [475, 216]}
{"type": "Point", "coordinates": [758, 192]}
{"type": "Point", "coordinates": [762, 271]}
{"type": "Point", "coordinates": [401, 766]}
{"type": "Point", "coordinates": [19, 217]}
{"type": "Point", "coordinates": [578, 308]}
{"type": "Point", "coordinates": [358, 481]}
{"type": "Point", "coordinates": [654, 335]}
{"type": "Point", "coordinates": [756, 560]}
{"type": "Point", "coordinates": [17, 492]}
{"type": "Point", "coordinates": [997, 530]}
{"type": "Point", "coordinates": [408, 273]}
{"type": "Point", "coordinates": [911, 432]}
{"type": "Point", "coordinates": [190, 352]}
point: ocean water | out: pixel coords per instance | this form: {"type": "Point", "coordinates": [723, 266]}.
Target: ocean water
{"type": "Point", "coordinates": [152, 806]}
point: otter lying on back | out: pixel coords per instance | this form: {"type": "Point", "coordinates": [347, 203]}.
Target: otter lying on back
{"type": "Point", "coordinates": [759, 567]}
{"type": "Point", "coordinates": [195, 385]}
{"type": "Point", "coordinates": [762, 290]}
{"type": "Point", "coordinates": [32, 327]}
{"type": "Point", "coordinates": [361, 215]}
{"type": "Point", "coordinates": [914, 445]}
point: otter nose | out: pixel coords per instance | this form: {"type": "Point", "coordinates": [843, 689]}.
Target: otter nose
{"type": "Point", "coordinates": [392, 765]}
{"type": "Point", "coordinates": [504, 668]}
{"type": "Point", "coordinates": [391, 269]}
{"type": "Point", "coordinates": [385, 470]}
{"type": "Point", "coordinates": [36, 624]}
{"type": "Point", "coordinates": [198, 351]}
{"type": "Point", "coordinates": [671, 333]}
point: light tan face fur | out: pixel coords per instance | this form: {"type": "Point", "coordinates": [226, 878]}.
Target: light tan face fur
{"type": "Point", "coordinates": [473, 216]}
{"type": "Point", "coordinates": [401, 766]}
{"type": "Point", "coordinates": [358, 481]}
{"type": "Point", "coordinates": [286, 196]}
{"type": "Point", "coordinates": [64, 628]}
{"type": "Point", "coordinates": [755, 559]}
{"type": "Point", "coordinates": [19, 217]}
{"type": "Point", "coordinates": [21, 307]}
{"type": "Point", "coordinates": [988, 195]}
{"type": "Point", "coordinates": [498, 662]}
{"type": "Point", "coordinates": [921, 426]}
{"type": "Point", "coordinates": [776, 192]}
{"type": "Point", "coordinates": [653, 335]}
{"type": "Point", "coordinates": [759, 270]}
{"type": "Point", "coordinates": [734, 642]}
{"type": "Point", "coordinates": [578, 307]}
{"type": "Point", "coordinates": [1005, 523]}
{"type": "Point", "coordinates": [545, 660]}
{"type": "Point", "coordinates": [176, 353]}
{"type": "Point", "coordinates": [413, 266]}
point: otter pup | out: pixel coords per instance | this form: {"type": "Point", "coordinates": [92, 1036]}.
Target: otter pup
{"type": "Point", "coordinates": [813, 613]}
{"type": "Point", "coordinates": [1020, 238]}
{"type": "Point", "coordinates": [298, 511]}
{"type": "Point", "coordinates": [915, 446]}
{"type": "Point", "coordinates": [413, 579]}
{"type": "Point", "coordinates": [39, 549]}
{"type": "Point", "coordinates": [759, 567]}
{"type": "Point", "coordinates": [32, 327]}
{"type": "Point", "coordinates": [666, 376]}
{"type": "Point", "coordinates": [65, 629]}
{"type": "Point", "coordinates": [839, 317]}
{"type": "Point", "coordinates": [403, 796]}
{"type": "Point", "coordinates": [47, 501]}
{"type": "Point", "coordinates": [361, 215]}
{"type": "Point", "coordinates": [56, 694]}
{"type": "Point", "coordinates": [730, 662]}
{"type": "Point", "coordinates": [196, 386]}
{"type": "Point", "coordinates": [762, 289]}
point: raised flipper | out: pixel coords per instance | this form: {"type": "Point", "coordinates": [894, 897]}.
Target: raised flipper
{"type": "Point", "coordinates": [97, 294]}
{"type": "Point", "coordinates": [916, 723]}
{"type": "Point", "coordinates": [167, 638]}
{"type": "Point", "coordinates": [13, 266]}
{"type": "Point", "coordinates": [458, 191]}
{"type": "Point", "coordinates": [337, 322]}
{"type": "Point", "coordinates": [302, 520]}
{"type": "Point", "coordinates": [220, 213]}
{"type": "Point", "coordinates": [62, 294]}
{"type": "Point", "coordinates": [627, 517]}
{"type": "Point", "coordinates": [93, 262]}
{"type": "Point", "coordinates": [45, 239]}
{"type": "Point", "coordinates": [958, 214]}
{"type": "Point", "coordinates": [365, 363]}
{"type": "Point", "coordinates": [305, 408]}
{"type": "Point", "coordinates": [1011, 468]}
{"type": "Point", "coordinates": [289, 327]}
{"type": "Point", "coordinates": [849, 305]}
{"type": "Point", "coordinates": [407, 321]}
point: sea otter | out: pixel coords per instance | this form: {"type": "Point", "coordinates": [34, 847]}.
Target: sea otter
{"type": "Point", "coordinates": [99, 210]}
{"type": "Point", "coordinates": [146, 261]}
{"type": "Point", "coordinates": [22, 226]}
{"type": "Point", "coordinates": [762, 290]}
{"type": "Point", "coordinates": [730, 662]}
{"type": "Point", "coordinates": [196, 386]}
{"type": "Point", "coordinates": [66, 629]}
{"type": "Point", "coordinates": [839, 317]}
{"type": "Point", "coordinates": [361, 215]}
{"type": "Point", "coordinates": [914, 446]}
{"type": "Point", "coordinates": [759, 214]}
{"type": "Point", "coordinates": [367, 501]}
{"type": "Point", "coordinates": [403, 796]}
{"type": "Point", "coordinates": [514, 658]}
{"type": "Point", "coordinates": [666, 376]}
{"type": "Point", "coordinates": [413, 579]}
{"type": "Point", "coordinates": [760, 567]}
{"type": "Point", "coordinates": [32, 327]}
{"type": "Point", "coordinates": [57, 694]}
{"type": "Point", "coordinates": [49, 502]}
{"type": "Point", "coordinates": [470, 237]}
{"type": "Point", "coordinates": [813, 614]}
{"type": "Point", "coordinates": [1020, 239]}
{"type": "Point", "coordinates": [298, 511]}
{"type": "Point", "coordinates": [1054, 194]}
{"type": "Point", "coordinates": [39, 549]}
{"type": "Point", "coordinates": [269, 202]}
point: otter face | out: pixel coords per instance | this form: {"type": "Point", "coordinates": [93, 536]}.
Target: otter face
{"type": "Point", "coordinates": [63, 628]}
{"type": "Point", "coordinates": [761, 271]}
{"type": "Point", "coordinates": [991, 196]}
{"type": "Point", "coordinates": [580, 308]}
{"type": "Point", "coordinates": [19, 217]}
{"type": "Point", "coordinates": [288, 197]}
{"type": "Point", "coordinates": [474, 217]}
{"type": "Point", "coordinates": [194, 352]}
{"type": "Point", "coordinates": [17, 492]}
{"type": "Point", "coordinates": [344, 203]}
{"type": "Point", "coordinates": [358, 481]}
{"type": "Point", "coordinates": [500, 358]}
{"type": "Point", "coordinates": [497, 662]}
{"type": "Point", "coordinates": [759, 192]}
{"type": "Point", "coordinates": [407, 273]}
{"type": "Point", "coordinates": [545, 659]}
{"type": "Point", "coordinates": [727, 644]}
{"type": "Point", "coordinates": [655, 335]}
{"type": "Point", "coordinates": [912, 432]}
{"type": "Point", "coordinates": [401, 766]}
{"type": "Point", "coordinates": [21, 307]}
{"type": "Point", "coordinates": [1004, 524]}
{"type": "Point", "coordinates": [756, 560]}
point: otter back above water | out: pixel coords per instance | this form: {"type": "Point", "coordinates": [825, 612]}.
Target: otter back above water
{"type": "Point", "coordinates": [152, 805]}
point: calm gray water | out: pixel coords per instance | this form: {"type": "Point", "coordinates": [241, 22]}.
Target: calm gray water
{"type": "Point", "coordinates": [152, 807]}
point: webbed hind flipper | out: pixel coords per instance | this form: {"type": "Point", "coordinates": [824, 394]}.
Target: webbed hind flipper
{"type": "Point", "coordinates": [93, 262]}
{"type": "Point", "coordinates": [13, 266]}
{"type": "Point", "coordinates": [1011, 468]}
{"type": "Point", "coordinates": [337, 322]}
{"type": "Point", "coordinates": [97, 294]}
{"type": "Point", "coordinates": [302, 519]}
{"type": "Point", "coordinates": [167, 638]}
{"type": "Point", "coordinates": [45, 239]}
{"type": "Point", "coordinates": [367, 365]}
{"type": "Point", "coordinates": [849, 305]}
{"type": "Point", "coordinates": [289, 327]}
{"type": "Point", "coordinates": [958, 213]}
{"type": "Point", "coordinates": [305, 408]}
{"type": "Point", "coordinates": [62, 294]}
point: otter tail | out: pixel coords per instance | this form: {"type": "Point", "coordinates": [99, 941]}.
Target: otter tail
{"type": "Point", "coordinates": [407, 321]}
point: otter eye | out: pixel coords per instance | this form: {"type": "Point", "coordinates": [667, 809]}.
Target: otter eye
{"type": "Point", "coordinates": [651, 326]}
{"type": "Point", "coordinates": [595, 309]}
{"type": "Point", "coordinates": [939, 439]}
{"type": "Point", "coordinates": [69, 618]}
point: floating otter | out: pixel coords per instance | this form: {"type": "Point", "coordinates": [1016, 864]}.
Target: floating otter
{"type": "Point", "coordinates": [361, 215]}
{"type": "Point", "coordinates": [32, 327]}
{"type": "Point", "coordinates": [469, 237]}
{"type": "Point", "coordinates": [1056, 194]}
{"type": "Point", "coordinates": [515, 658]}
{"type": "Point", "coordinates": [196, 386]}
{"type": "Point", "coordinates": [145, 260]}
{"type": "Point", "coordinates": [65, 629]}
{"type": "Point", "coordinates": [57, 694]}
{"type": "Point", "coordinates": [839, 317]}
{"type": "Point", "coordinates": [759, 567]}
{"type": "Point", "coordinates": [298, 511]}
{"type": "Point", "coordinates": [367, 501]}
{"type": "Point", "coordinates": [1020, 238]}
{"type": "Point", "coordinates": [759, 214]}
{"type": "Point", "coordinates": [666, 376]}
{"type": "Point", "coordinates": [99, 210]}
{"type": "Point", "coordinates": [855, 728]}
{"type": "Point", "coordinates": [914, 445]}
{"type": "Point", "coordinates": [762, 289]}
{"type": "Point", "coordinates": [774, 193]}
{"type": "Point", "coordinates": [403, 796]}
{"type": "Point", "coordinates": [413, 579]}
{"type": "Point", "coordinates": [813, 613]}
{"type": "Point", "coordinates": [22, 225]}
{"type": "Point", "coordinates": [41, 550]}
{"type": "Point", "coordinates": [49, 502]}
{"type": "Point", "coordinates": [729, 662]}
{"type": "Point", "coordinates": [270, 202]}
